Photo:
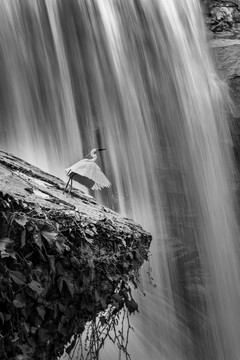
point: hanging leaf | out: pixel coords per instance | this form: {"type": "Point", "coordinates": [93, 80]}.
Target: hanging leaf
{"type": "Point", "coordinates": [96, 295]}
{"type": "Point", "coordinates": [89, 232]}
{"type": "Point", "coordinates": [34, 330]}
{"type": "Point", "coordinates": [4, 215]}
{"type": "Point", "coordinates": [29, 228]}
{"type": "Point", "coordinates": [2, 317]}
{"type": "Point", "coordinates": [60, 284]}
{"type": "Point", "coordinates": [24, 313]}
{"type": "Point", "coordinates": [41, 311]}
{"type": "Point", "coordinates": [60, 245]}
{"type": "Point", "coordinates": [26, 327]}
{"type": "Point", "coordinates": [131, 305]}
{"type": "Point", "coordinates": [6, 248]}
{"type": "Point", "coordinates": [29, 255]}
{"type": "Point", "coordinates": [94, 229]}
{"type": "Point", "coordinates": [59, 268]}
{"type": "Point", "coordinates": [36, 287]}
{"type": "Point", "coordinates": [38, 209]}
{"type": "Point", "coordinates": [47, 227]}
{"type": "Point", "coordinates": [37, 239]}
{"type": "Point", "coordinates": [18, 301]}
{"type": "Point", "coordinates": [4, 243]}
{"type": "Point", "coordinates": [18, 277]}
{"type": "Point", "coordinates": [70, 285]}
{"type": "Point", "coordinates": [12, 254]}
{"type": "Point", "coordinates": [51, 259]}
{"type": "Point", "coordinates": [23, 238]}
{"type": "Point", "coordinates": [50, 236]}
{"type": "Point", "coordinates": [5, 202]}
{"type": "Point", "coordinates": [31, 341]}
{"type": "Point", "coordinates": [89, 240]}
{"type": "Point", "coordinates": [61, 307]}
{"type": "Point", "coordinates": [30, 293]}
{"type": "Point", "coordinates": [20, 219]}
{"type": "Point", "coordinates": [15, 338]}
{"type": "Point", "coordinates": [57, 225]}
{"type": "Point", "coordinates": [103, 303]}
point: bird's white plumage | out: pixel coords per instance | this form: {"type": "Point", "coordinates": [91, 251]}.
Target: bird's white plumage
{"type": "Point", "coordinates": [89, 169]}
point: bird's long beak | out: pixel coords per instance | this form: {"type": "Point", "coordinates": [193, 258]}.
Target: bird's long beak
{"type": "Point", "coordinates": [101, 149]}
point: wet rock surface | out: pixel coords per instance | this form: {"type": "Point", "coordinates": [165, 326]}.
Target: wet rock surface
{"type": "Point", "coordinates": [223, 30]}
{"type": "Point", "coordinates": [222, 16]}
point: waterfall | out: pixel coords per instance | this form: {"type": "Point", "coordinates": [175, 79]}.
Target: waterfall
{"type": "Point", "coordinates": [135, 76]}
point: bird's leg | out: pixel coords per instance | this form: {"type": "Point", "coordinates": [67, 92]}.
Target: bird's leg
{"type": "Point", "coordinates": [67, 184]}
{"type": "Point", "coordinates": [71, 183]}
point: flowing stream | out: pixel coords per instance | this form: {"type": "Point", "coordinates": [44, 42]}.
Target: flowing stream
{"type": "Point", "coordinates": [135, 76]}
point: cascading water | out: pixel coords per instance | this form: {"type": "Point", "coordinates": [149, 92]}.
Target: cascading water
{"type": "Point", "coordinates": [135, 76]}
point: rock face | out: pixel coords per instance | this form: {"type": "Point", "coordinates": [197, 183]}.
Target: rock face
{"type": "Point", "coordinates": [221, 14]}
{"type": "Point", "coordinates": [224, 43]}
{"type": "Point", "coordinates": [65, 260]}
{"type": "Point", "coordinates": [222, 18]}
{"type": "Point", "coordinates": [226, 54]}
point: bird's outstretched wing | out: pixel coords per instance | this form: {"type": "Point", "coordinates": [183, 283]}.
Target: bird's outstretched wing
{"type": "Point", "coordinates": [73, 169]}
{"type": "Point", "coordinates": [90, 170]}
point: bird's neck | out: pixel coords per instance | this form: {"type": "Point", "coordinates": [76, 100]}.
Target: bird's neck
{"type": "Point", "coordinates": [94, 157]}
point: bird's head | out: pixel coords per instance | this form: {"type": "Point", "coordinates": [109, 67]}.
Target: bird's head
{"type": "Point", "coordinates": [94, 151]}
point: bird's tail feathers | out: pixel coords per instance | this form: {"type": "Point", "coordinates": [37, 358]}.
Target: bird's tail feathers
{"type": "Point", "coordinates": [99, 187]}
{"type": "Point", "coordinates": [96, 187]}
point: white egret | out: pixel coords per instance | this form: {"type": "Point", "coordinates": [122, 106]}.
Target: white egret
{"type": "Point", "coordinates": [87, 173]}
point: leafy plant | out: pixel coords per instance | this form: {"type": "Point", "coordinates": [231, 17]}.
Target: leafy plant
{"type": "Point", "coordinates": [59, 275]}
